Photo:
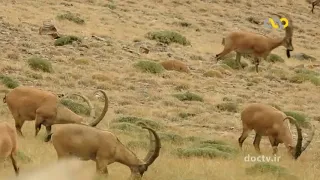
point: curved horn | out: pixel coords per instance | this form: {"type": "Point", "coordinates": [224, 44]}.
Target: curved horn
{"type": "Point", "coordinates": [304, 147]}
{"type": "Point", "coordinates": [104, 111]}
{"type": "Point", "coordinates": [155, 146]}
{"type": "Point", "coordinates": [298, 150]}
{"type": "Point", "coordinates": [92, 110]}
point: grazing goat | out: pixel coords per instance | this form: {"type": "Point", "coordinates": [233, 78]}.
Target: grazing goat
{"type": "Point", "coordinates": [67, 169]}
{"type": "Point", "coordinates": [30, 103]}
{"type": "Point", "coordinates": [314, 3]}
{"type": "Point", "coordinates": [8, 144]}
{"type": "Point", "coordinates": [103, 147]}
{"type": "Point", "coordinates": [258, 45]}
{"type": "Point", "coordinates": [266, 120]}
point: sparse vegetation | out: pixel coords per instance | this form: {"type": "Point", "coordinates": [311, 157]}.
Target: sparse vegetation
{"type": "Point", "coordinates": [40, 64]}
{"type": "Point", "coordinates": [274, 58]}
{"type": "Point", "coordinates": [168, 37]}
{"type": "Point", "coordinates": [149, 66]}
{"type": "Point", "coordinates": [303, 75]}
{"type": "Point", "coordinates": [135, 120]}
{"type": "Point", "coordinates": [268, 168]}
{"type": "Point", "coordinates": [231, 62]}
{"type": "Point", "coordinates": [77, 108]}
{"type": "Point", "coordinates": [228, 106]}
{"type": "Point", "coordinates": [300, 117]}
{"type": "Point", "coordinates": [71, 17]}
{"type": "Point", "coordinates": [207, 149]}
{"type": "Point", "coordinates": [213, 73]}
{"type": "Point", "coordinates": [188, 96]}
{"type": "Point", "coordinates": [64, 40]}
{"type": "Point", "coordinates": [9, 81]}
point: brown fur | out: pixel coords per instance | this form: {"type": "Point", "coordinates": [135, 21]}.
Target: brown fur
{"type": "Point", "coordinates": [314, 3]}
{"type": "Point", "coordinates": [266, 120]}
{"type": "Point", "coordinates": [103, 147]}
{"type": "Point", "coordinates": [175, 65]}
{"type": "Point", "coordinates": [258, 45]}
{"type": "Point", "coordinates": [30, 103]}
{"type": "Point", "coordinates": [8, 144]}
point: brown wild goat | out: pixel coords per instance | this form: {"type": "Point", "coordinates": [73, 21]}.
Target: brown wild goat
{"type": "Point", "coordinates": [103, 147]}
{"type": "Point", "coordinates": [258, 45]}
{"type": "Point", "coordinates": [8, 144]}
{"type": "Point", "coordinates": [266, 120]}
{"type": "Point", "coordinates": [30, 103]}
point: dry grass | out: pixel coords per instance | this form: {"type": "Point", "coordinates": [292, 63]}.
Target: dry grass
{"type": "Point", "coordinates": [190, 31]}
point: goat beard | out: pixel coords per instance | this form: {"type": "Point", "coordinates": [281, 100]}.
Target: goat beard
{"type": "Point", "coordinates": [288, 53]}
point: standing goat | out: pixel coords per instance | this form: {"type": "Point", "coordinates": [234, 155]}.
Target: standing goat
{"type": "Point", "coordinates": [258, 45]}
{"type": "Point", "coordinates": [314, 3]}
{"type": "Point", "coordinates": [103, 147]}
{"type": "Point", "coordinates": [266, 120]}
{"type": "Point", "coordinates": [8, 144]}
{"type": "Point", "coordinates": [30, 103]}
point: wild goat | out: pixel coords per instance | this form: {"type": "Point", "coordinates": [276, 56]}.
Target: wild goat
{"type": "Point", "coordinates": [269, 121]}
{"type": "Point", "coordinates": [258, 45]}
{"type": "Point", "coordinates": [67, 169]}
{"type": "Point", "coordinates": [103, 147]}
{"type": "Point", "coordinates": [314, 3]}
{"type": "Point", "coordinates": [30, 103]}
{"type": "Point", "coordinates": [8, 144]}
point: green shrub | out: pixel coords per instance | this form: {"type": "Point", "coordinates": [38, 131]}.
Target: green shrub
{"type": "Point", "coordinates": [168, 37]}
{"type": "Point", "coordinates": [231, 62]}
{"type": "Point", "coordinates": [71, 17]}
{"type": "Point", "coordinates": [268, 168]}
{"type": "Point", "coordinates": [274, 58]}
{"type": "Point", "coordinates": [228, 106]}
{"type": "Point", "coordinates": [77, 108]}
{"type": "Point", "coordinates": [9, 82]}
{"type": "Point", "coordinates": [149, 67]}
{"type": "Point", "coordinates": [207, 149]}
{"type": "Point", "coordinates": [303, 75]}
{"type": "Point", "coordinates": [64, 40]}
{"type": "Point", "coordinates": [37, 63]}
{"type": "Point", "coordinates": [186, 115]}
{"type": "Point", "coordinates": [134, 120]}
{"type": "Point", "coordinates": [171, 137]}
{"type": "Point", "coordinates": [188, 96]}
{"type": "Point", "coordinates": [125, 127]}
{"type": "Point", "coordinates": [301, 118]}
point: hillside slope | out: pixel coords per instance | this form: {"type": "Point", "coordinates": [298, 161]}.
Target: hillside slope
{"type": "Point", "coordinates": [108, 64]}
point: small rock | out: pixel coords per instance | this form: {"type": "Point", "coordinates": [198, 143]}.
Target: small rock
{"type": "Point", "coordinates": [303, 56]}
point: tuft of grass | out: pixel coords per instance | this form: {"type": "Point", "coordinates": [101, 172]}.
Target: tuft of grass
{"type": "Point", "coordinates": [40, 64]}
{"type": "Point", "coordinates": [71, 17]}
{"type": "Point", "coordinates": [125, 127]}
{"type": "Point", "coordinates": [64, 40]}
{"type": "Point", "coordinates": [213, 73]}
{"type": "Point", "coordinates": [77, 108]}
{"type": "Point", "coordinates": [188, 96]}
{"type": "Point", "coordinates": [171, 137]}
{"type": "Point", "coordinates": [268, 168]}
{"type": "Point", "coordinates": [274, 58]}
{"type": "Point", "coordinates": [231, 62]}
{"type": "Point", "coordinates": [134, 120]}
{"type": "Point", "coordinates": [9, 82]}
{"type": "Point", "coordinates": [300, 117]}
{"type": "Point", "coordinates": [168, 37]}
{"type": "Point", "coordinates": [303, 75]}
{"type": "Point", "coordinates": [186, 115]}
{"type": "Point", "coordinates": [138, 144]}
{"type": "Point", "coordinates": [228, 106]}
{"type": "Point", "coordinates": [149, 67]}
{"type": "Point", "coordinates": [23, 157]}
{"type": "Point", "coordinates": [207, 149]}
